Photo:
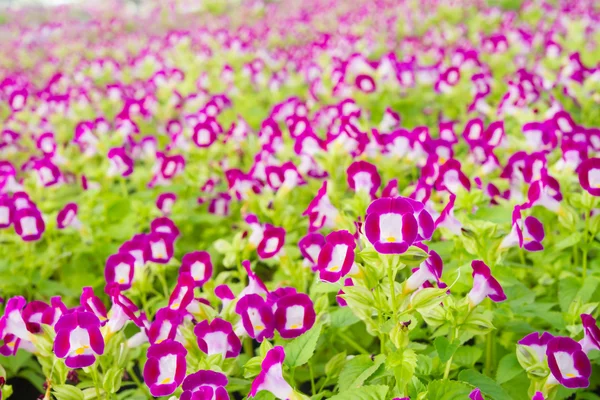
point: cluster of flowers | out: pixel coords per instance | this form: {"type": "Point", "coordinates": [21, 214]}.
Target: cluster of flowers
{"type": "Point", "coordinates": [337, 182]}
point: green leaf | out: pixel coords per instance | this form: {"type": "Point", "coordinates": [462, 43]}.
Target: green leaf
{"type": "Point", "coordinates": [371, 392]}
{"type": "Point", "coordinates": [448, 390]}
{"type": "Point", "coordinates": [569, 241]}
{"type": "Point", "coordinates": [467, 356]}
{"type": "Point", "coordinates": [67, 392]}
{"type": "Point", "coordinates": [301, 349]}
{"type": "Point", "coordinates": [335, 365]}
{"type": "Point", "coordinates": [486, 384]}
{"type": "Point", "coordinates": [404, 363]}
{"type": "Point", "coordinates": [445, 348]}
{"type": "Point", "coordinates": [112, 379]}
{"type": "Point", "coordinates": [508, 368]}
{"type": "Point", "coordinates": [567, 290]}
{"type": "Point", "coordinates": [363, 376]}
{"type": "Point", "coordinates": [343, 317]}
{"type": "Point", "coordinates": [353, 369]}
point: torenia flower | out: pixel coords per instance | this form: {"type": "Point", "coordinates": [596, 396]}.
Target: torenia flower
{"type": "Point", "coordinates": [321, 213]}
{"type": "Point", "coordinates": [183, 294]}
{"type": "Point", "coordinates": [538, 343]}
{"type": "Point", "coordinates": [538, 396]}
{"type": "Point", "coordinates": [165, 202]}
{"type": "Point", "coordinates": [217, 337]}
{"type": "Point", "coordinates": [12, 322]}
{"type": "Point", "coordinates": [310, 247]}
{"type": "Point", "coordinates": [205, 385]}
{"type": "Point", "coordinates": [295, 314]}
{"type": "Point", "coordinates": [68, 217]}
{"type": "Point", "coordinates": [165, 369]}
{"type": "Point", "coordinates": [257, 316]}
{"type": "Point", "coordinates": [92, 303]}
{"type": "Point", "coordinates": [165, 324]}
{"type": "Point", "coordinates": [591, 332]}
{"type": "Point", "coordinates": [390, 225]}
{"type": "Point", "coordinates": [363, 176]}
{"type": "Point", "coordinates": [589, 176]}
{"type": "Point", "coordinates": [53, 313]}
{"type": "Point", "coordinates": [337, 256]}
{"type": "Point", "coordinates": [161, 247]}
{"type": "Point", "coordinates": [430, 269]}
{"type": "Point", "coordinates": [271, 376]}
{"type": "Point", "coordinates": [484, 285]}
{"type": "Point", "coordinates": [527, 234]}
{"type": "Point", "coordinates": [198, 265]}
{"type": "Point", "coordinates": [29, 224]}
{"type": "Point", "coordinates": [32, 315]}
{"type": "Point", "coordinates": [476, 395]}
{"type": "Point", "coordinates": [272, 241]}
{"type": "Point", "coordinates": [78, 339]}
{"type": "Point", "coordinates": [119, 270]}
{"type": "Point", "coordinates": [568, 363]}
{"type": "Point", "coordinates": [447, 219]}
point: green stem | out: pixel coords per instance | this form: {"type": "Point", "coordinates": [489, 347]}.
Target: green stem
{"type": "Point", "coordinates": [139, 384]}
{"type": "Point", "coordinates": [248, 349]}
{"type": "Point", "coordinates": [453, 335]}
{"type": "Point", "coordinates": [163, 282]}
{"type": "Point", "coordinates": [392, 279]}
{"type": "Point", "coordinates": [95, 379]}
{"type": "Point", "coordinates": [352, 343]}
{"type": "Point", "coordinates": [312, 379]}
{"type": "Point", "coordinates": [585, 244]}
{"type": "Point", "coordinates": [489, 354]}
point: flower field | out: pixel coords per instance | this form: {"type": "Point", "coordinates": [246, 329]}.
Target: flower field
{"type": "Point", "coordinates": [317, 199]}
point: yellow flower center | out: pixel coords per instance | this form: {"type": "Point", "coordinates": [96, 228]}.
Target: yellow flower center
{"type": "Point", "coordinates": [390, 239]}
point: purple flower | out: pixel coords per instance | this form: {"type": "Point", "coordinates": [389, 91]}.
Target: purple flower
{"type": "Point", "coordinates": [589, 176]}
{"type": "Point", "coordinates": [217, 337]}
{"type": "Point", "coordinates": [294, 315]}
{"type": "Point", "coordinates": [568, 363]}
{"type": "Point", "coordinates": [119, 270]}
{"type": "Point", "coordinates": [430, 269]}
{"type": "Point", "coordinates": [365, 83]}
{"type": "Point", "coordinates": [165, 324]}
{"type": "Point", "coordinates": [484, 285]}
{"type": "Point", "coordinates": [161, 247]}
{"type": "Point", "coordinates": [165, 202]}
{"type": "Point", "coordinates": [53, 313]}
{"type": "Point", "coordinates": [164, 225]}
{"type": "Point", "coordinates": [32, 315]}
{"type": "Point", "coordinates": [92, 303]}
{"type": "Point", "coordinates": [12, 322]}
{"type": "Point", "coordinates": [271, 376]}
{"type": "Point", "coordinates": [165, 369]}
{"type": "Point", "coordinates": [363, 176]}
{"type": "Point", "coordinates": [538, 343]}
{"type": "Point", "coordinates": [476, 395]}
{"type": "Point", "coordinates": [198, 265]}
{"type": "Point", "coordinates": [29, 224]}
{"type": "Point", "coordinates": [78, 339]}
{"type": "Point", "coordinates": [538, 396]}
{"type": "Point", "coordinates": [257, 317]}
{"type": "Point", "coordinates": [205, 385]}
{"type": "Point", "coordinates": [183, 293]}
{"type": "Point", "coordinates": [337, 256]}
{"type": "Point", "coordinates": [311, 246]}
{"type": "Point", "coordinates": [527, 234]}
{"type": "Point", "coordinates": [272, 241]}
{"type": "Point", "coordinates": [68, 217]}
{"type": "Point", "coordinates": [120, 162]}
{"type": "Point", "coordinates": [390, 225]}
{"type": "Point", "coordinates": [591, 332]}
{"type": "Point", "coordinates": [320, 211]}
